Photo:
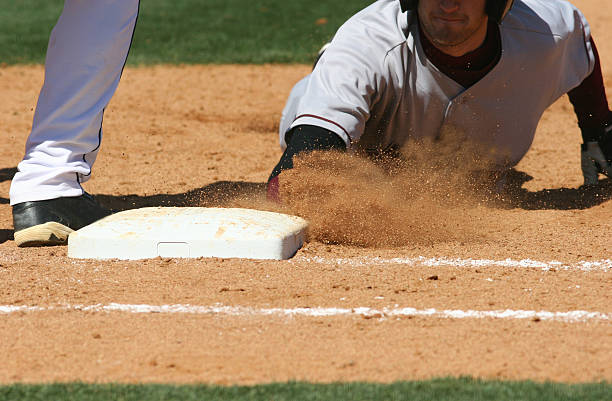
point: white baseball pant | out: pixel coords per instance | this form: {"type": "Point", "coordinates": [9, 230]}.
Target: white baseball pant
{"type": "Point", "coordinates": [87, 51]}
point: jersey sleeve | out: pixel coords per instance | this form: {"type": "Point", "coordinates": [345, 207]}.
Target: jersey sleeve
{"type": "Point", "coordinates": [579, 58]}
{"type": "Point", "coordinates": [345, 84]}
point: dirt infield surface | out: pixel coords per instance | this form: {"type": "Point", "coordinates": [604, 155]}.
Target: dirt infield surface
{"type": "Point", "coordinates": [525, 293]}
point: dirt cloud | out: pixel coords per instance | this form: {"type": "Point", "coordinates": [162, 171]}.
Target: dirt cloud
{"type": "Point", "coordinates": [421, 197]}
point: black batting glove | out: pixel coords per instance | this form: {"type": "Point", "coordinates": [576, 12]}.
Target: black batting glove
{"type": "Point", "coordinates": [596, 155]}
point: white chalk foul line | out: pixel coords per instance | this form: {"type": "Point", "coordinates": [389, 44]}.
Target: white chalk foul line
{"type": "Point", "coordinates": [569, 316]}
{"type": "Point", "coordinates": [604, 265]}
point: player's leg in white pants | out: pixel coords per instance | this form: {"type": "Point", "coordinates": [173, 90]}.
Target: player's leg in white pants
{"type": "Point", "coordinates": [87, 51]}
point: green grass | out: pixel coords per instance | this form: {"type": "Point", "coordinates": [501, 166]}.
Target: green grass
{"type": "Point", "coordinates": [463, 389]}
{"type": "Point", "coordinates": [24, 29]}
{"type": "Point", "coordinates": [192, 31]}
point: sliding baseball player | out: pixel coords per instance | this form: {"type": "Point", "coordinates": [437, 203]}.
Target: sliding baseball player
{"type": "Point", "coordinates": [399, 72]}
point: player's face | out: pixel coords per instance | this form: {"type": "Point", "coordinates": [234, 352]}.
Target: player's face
{"type": "Point", "coordinates": [455, 27]}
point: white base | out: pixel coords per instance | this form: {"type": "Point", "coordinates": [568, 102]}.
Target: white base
{"type": "Point", "coordinates": [189, 232]}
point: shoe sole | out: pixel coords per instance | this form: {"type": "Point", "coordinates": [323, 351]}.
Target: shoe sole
{"type": "Point", "coordinates": [46, 234]}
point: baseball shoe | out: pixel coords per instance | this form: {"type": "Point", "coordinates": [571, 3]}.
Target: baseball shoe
{"type": "Point", "coordinates": [49, 222]}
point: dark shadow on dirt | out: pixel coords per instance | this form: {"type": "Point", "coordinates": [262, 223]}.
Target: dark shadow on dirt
{"type": "Point", "coordinates": [221, 192]}
{"type": "Point", "coordinates": [584, 197]}
{"type": "Point", "coordinates": [6, 174]}
{"type": "Point", "coordinates": [5, 235]}
{"type": "Point", "coordinates": [216, 194]}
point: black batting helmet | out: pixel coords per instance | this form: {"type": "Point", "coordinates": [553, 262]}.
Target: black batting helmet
{"type": "Point", "coordinates": [496, 9]}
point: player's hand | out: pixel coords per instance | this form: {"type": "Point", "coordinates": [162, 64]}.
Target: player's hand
{"type": "Point", "coordinates": [596, 158]}
{"type": "Point", "coordinates": [272, 190]}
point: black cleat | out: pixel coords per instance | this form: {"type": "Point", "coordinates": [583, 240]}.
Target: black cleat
{"type": "Point", "coordinates": [49, 222]}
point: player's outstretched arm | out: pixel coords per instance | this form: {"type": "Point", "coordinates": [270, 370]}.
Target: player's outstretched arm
{"type": "Point", "coordinates": [302, 139]}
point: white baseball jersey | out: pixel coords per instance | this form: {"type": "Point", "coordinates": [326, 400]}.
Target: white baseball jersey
{"type": "Point", "coordinates": [376, 89]}
{"type": "Point", "coordinates": [87, 50]}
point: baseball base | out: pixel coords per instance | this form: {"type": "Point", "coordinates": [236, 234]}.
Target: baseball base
{"type": "Point", "coordinates": [189, 232]}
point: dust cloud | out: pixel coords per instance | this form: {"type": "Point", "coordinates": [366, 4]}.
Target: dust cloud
{"type": "Point", "coordinates": [423, 196]}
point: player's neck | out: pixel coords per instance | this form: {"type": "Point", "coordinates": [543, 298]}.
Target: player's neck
{"type": "Point", "coordinates": [472, 43]}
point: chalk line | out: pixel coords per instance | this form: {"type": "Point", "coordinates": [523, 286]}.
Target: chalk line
{"type": "Point", "coordinates": [568, 316]}
{"type": "Point", "coordinates": [604, 265]}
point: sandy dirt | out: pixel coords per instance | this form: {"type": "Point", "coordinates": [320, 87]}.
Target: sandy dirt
{"type": "Point", "coordinates": [206, 136]}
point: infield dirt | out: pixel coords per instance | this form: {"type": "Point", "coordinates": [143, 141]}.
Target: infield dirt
{"type": "Point", "coordinates": [207, 136]}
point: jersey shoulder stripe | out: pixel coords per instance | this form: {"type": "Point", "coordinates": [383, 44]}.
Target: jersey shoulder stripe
{"type": "Point", "coordinates": [326, 120]}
